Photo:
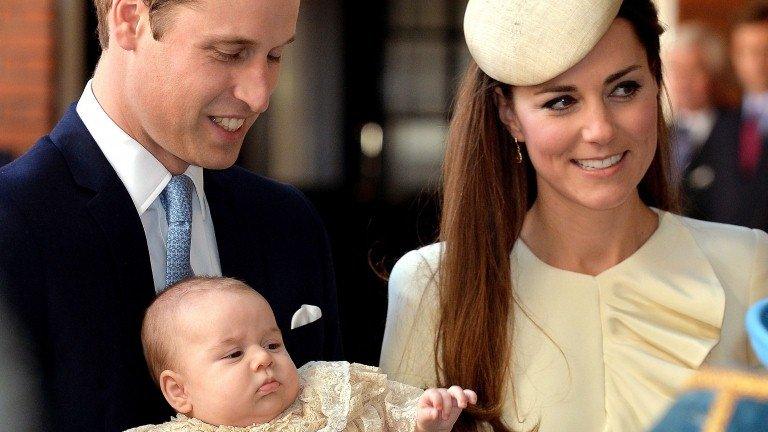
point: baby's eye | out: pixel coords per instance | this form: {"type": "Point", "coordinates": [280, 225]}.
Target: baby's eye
{"type": "Point", "coordinates": [234, 355]}
{"type": "Point", "coordinates": [273, 346]}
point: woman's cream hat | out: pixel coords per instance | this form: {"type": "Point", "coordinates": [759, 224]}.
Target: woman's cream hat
{"type": "Point", "coordinates": [528, 42]}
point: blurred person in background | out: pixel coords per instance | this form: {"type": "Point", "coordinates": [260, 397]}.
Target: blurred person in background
{"type": "Point", "coordinates": [20, 408]}
{"type": "Point", "coordinates": [694, 60]}
{"type": "Point", "coordinates": [727, 181]}
{"type": "Point", "coordinates": [134, 189]}
{"type": "Point", "coordinates": [749, 43]}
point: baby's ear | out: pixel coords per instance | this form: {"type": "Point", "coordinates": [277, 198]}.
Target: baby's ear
{"type": "Point", "coordinates": [172, 386]}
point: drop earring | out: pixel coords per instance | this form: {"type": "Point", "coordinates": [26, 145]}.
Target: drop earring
{"type": "Point", "coordinates": [519, 158]}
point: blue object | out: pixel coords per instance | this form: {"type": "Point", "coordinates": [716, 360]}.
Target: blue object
{"type": "Point", "coordinates": [749, 415]}
{"type": "Point", "coordinates": [177, 200]}
{"type": "Point", "coordinates": [688, 414]}
{"type": "Point", "coordinates": [747, 393]}
{"type": "Point", "coordinates": [757, 328]}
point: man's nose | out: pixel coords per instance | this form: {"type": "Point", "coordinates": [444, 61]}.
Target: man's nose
{"type": "Point", "coordinates": [254, 86]}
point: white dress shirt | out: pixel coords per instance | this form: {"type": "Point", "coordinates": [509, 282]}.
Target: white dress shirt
{"type": "Point", "coordinates": [144, 177]}
{"type": "Point", "coordinates": [755, 106]}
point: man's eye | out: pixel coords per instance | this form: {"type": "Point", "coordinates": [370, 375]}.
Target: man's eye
{"type": "Point", "coordinates": [275, 58]}
{"type": "Point", "coordinates": [560, 103]}
{"type": "Point", "coordinates": [227, 57]}
{"type": "Point", "coordinates": [626, 89]}
{"type": "Point", "coordinates": [234, 355]}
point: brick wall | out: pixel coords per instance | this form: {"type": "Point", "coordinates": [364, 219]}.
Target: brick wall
{"type": "Point", "coordinates": [27, 72]}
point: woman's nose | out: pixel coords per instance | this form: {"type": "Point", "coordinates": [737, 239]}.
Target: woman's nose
{"type": "Point", "coordinates": [598, 125]}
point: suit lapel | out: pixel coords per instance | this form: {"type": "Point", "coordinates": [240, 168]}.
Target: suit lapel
{"type": "Point", "coordinates": [122, 276]}
{"type": "Point", "coordinates": [110, 206]}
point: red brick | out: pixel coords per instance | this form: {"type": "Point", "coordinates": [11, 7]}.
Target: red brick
{"type": "Point", "coordinates": [27, 71]}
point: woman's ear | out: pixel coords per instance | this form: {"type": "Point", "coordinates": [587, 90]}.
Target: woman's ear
{"type": "Point", "coordinates": [507, 114]}
{"type": "Point", "coordinates": [172, 385]}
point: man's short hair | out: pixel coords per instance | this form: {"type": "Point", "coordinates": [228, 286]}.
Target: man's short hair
{"type": "Point", "coordinates": [157, 329]}
{"type": "Point", "coordinates": [755, 12]}
{"type": "Point", "coordinates": [159, 17]}
{"type": "Point", "coordinates": [696, 34]}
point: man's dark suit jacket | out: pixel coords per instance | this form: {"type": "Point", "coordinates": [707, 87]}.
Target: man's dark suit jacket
{"type": "Point", "coordinates": [714, 187]}
{"type": "Point", "coordinates": [75, 267]}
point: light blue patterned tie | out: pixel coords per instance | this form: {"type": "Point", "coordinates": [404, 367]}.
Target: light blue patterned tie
{"type": "Point", "coordinates": [177, 200]}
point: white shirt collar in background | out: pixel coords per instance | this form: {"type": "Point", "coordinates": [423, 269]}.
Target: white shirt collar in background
{"type": "Point", "coordinates": [699, 124]}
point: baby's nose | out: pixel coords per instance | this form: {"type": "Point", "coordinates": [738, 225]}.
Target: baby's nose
{"type": "Point", "coordinates": [262, 359]}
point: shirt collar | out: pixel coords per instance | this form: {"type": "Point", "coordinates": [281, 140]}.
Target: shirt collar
{"type": "Point", "coordinates": [144, 176]}
{"type": "Point", "coordinates": [697, 123]}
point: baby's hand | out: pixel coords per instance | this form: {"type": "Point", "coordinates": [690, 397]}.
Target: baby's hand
{"type": "Point", "coordinates": [439, 408]}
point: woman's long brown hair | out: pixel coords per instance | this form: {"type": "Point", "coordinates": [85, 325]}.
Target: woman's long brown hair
{"type": "Point", "coordinates": [486, 195]}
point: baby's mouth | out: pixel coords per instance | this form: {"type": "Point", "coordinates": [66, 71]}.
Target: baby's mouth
{"type": "Point", "coordinates": [269, 386]}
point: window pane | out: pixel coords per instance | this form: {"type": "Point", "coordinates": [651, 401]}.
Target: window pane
{"type": "Point", "coordinates": [431, 14]}
{"type": "Point", "coordinates": [414, 154]}
{"type": "Point", "coordinates": [415, 77]}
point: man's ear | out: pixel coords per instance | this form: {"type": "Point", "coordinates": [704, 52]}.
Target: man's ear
{"type": "Point", "coordinates": [173, 387]}
{"type": "Point", "coordinates": [126, 22]}
{"type": "Point", "coordinates": [507, 114]}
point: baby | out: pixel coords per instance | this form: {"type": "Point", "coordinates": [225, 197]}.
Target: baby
{"type": "Point", "coordinates": [214, 349]}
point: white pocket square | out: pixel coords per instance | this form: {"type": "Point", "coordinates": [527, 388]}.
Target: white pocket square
{"type": "Point", "coordinates": [305, 315]}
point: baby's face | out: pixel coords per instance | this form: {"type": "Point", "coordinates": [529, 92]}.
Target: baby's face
{"type": "Point", "coordinates": [236, 369]}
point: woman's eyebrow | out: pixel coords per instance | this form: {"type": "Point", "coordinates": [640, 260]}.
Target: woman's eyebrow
{"type": "Point", "coordinates": [613, 77]}
{"type": "Point", "coordinates": [569, 88]}
{"type": "Point", "coordinates": [557, 89]}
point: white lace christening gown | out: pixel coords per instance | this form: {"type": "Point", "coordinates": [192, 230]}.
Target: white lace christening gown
{"type": "Point", "coordinates": [334, 396]}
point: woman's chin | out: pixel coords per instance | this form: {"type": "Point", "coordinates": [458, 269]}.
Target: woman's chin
{"type": "Point", "coordinates": [606, 200]}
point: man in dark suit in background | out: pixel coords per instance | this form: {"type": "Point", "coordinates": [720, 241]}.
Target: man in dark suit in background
{"type": "Point", "coordinates": [694, 59]}
{"type": "Point", "coordinates": [134, 189]}
{"type": "Point", "coordinates": [727, 179]}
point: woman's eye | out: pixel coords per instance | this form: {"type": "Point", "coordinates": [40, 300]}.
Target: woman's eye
{"type": "Point", "coordinates": [560, 103]}
{"type": "Point", "coordinates": [626, 89]}
{"type": "Point", "coordinates": [234, 355]}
